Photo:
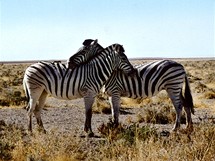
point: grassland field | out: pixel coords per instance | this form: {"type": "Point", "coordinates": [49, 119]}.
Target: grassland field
{"type": "Point", "coordinates": [143, 134]}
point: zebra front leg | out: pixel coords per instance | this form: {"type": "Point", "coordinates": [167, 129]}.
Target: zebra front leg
{"type": "Point", "coordinates": [115, 106]}
{"type": "Point", "coordinates": [88, 100]}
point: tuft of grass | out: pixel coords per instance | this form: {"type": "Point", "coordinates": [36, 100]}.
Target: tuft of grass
{"type": "Point", "coordinates": [11, 97]}
{"type": "Point", "coordinates": [165, 114]}
{"type": "Point", "coordinates": [130, 134]}
{"type": "Point", "coordinates": [200, 105]}
{"type": "Point", "coordinates": [101, 104]}
{"type": "Point", "coordinates": [142, 143]}
{"type": "Point", "coordinates": [10, 135]}
{"type": "Point", "coordinates": [110, 131]}
{"type": "Point", "coordinates": [133, 133]}
{"type": "Point", "coordinates": [209, 95]}
{"type": "Point", "coordinates": [159, 110]}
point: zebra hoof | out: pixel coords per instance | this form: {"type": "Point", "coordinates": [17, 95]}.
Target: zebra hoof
{"type": "Point", "coordinates": [187, 131]}
{"type": "Point", "coordinates": [165, 133]}
{"type": "Point", "coordinates": [41, 130]}
{"type": "Point", "coordinates": [90, 134]}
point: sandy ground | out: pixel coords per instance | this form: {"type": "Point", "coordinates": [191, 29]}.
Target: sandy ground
{"type": "Point", "coordinates": [69, 116]}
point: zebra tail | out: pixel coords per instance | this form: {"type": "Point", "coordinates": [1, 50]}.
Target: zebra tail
{"type": "Point", "coordinates": [188, 100]}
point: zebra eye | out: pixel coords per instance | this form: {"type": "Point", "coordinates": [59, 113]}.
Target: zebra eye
{"type": "Point", "coordinates": [87, 47]}
{"type": "Point", "coordinates": [123, 57]}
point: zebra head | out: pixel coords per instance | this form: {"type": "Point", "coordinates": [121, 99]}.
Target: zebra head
{"type": "Point", "coordinates": [89, 49]}
{"type": "Point", "coordinates": [121, 61]}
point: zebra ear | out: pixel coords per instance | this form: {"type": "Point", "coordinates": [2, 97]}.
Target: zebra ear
{"type": "Point", "coordinates": [94, 42]}
{"type": "Point", "coordinates": [119, 48]}
{"type": "Point", "coordinates": [87, 42]}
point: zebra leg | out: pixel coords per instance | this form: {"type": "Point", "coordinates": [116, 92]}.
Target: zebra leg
{"type": "Point", "coordinates": [112, 110]}
{"type": "Point", "coordinates": [115, 106]}
{"type": "Point", "coordinates": [189, 122]}
{"type": "Point", "coordinates": [31, 108]}
{"type": "Point", "coordinates": [34, 96]}
{"type": "Point", "coordinates": [188, 106]}
{"type": "Point", "coordinates": [189, 126]}
{"type": "Point", "coordinates": [178, 109]}
{"type": "Point", "coordinates": [175, 98]}
{"type": "Point", "coordinates": [88, 100]}
{"type": "Point", "coordinates": [38, 109]}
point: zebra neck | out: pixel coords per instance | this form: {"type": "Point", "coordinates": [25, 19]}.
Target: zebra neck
{"type": "Point", "coordinates": [102, 67]}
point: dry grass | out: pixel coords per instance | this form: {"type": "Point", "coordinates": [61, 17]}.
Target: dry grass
{"type": "Point", "coordinates": [209, 95]}
{"type": "Point", "coordinates": [127, 142]}
{"type": "Point", "coordinates": [11, 90]}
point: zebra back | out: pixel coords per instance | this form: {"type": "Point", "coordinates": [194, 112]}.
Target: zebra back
{"type": "Point", "coordinates": [149, 79]}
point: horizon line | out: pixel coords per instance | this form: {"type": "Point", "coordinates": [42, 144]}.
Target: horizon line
{"type": "Point", "coordinates": [132, 59]}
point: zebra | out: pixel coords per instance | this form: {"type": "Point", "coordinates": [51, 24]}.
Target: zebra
{"type": "Point", "coordinates": [43, 78]}
{"type": "Point", "coordinates": [148, 81]}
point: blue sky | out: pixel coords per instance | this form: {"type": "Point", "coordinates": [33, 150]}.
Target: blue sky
{"type": "Point", "coordinates": [55, 29]}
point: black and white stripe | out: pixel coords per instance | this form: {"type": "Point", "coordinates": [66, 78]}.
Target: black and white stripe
{"type": "Point", "coordinates": [45, 78]}
{"type": "Point", "coordinates": [150, 79]}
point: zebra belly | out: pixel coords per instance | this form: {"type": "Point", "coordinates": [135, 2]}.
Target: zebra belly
{"type": "Point", "coordinates": [68, 98]}
{"type": "Point", "coordinates": [137, 95]}
{"type": "Point", "coordinates": [65, 96]}
{"type": "Point", "coordinates": [66, 90]}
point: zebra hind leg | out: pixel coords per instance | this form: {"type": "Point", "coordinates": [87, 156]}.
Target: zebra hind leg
{"type": "Point", "coordinates": [189, 122]}
{"type": "Point", "coordinates": [38, 109]}
{"type": "Point", "coordinates": [189, 126]}
{"type": "Point", "coordinates": [188, 106]}
{"type": "Point", "coordinates": [178, 108]}
{"type": "Point", "coordinates": [32, 106]}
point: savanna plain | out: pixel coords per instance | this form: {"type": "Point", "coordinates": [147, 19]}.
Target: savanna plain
{"type": "Point", "coordinates": [144, 132]}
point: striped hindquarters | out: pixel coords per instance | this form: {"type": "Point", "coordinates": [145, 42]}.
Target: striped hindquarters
{"type": "Point", "coordinates": [160, 75]}
{"type": "Point", "coordinates": [55, 78]}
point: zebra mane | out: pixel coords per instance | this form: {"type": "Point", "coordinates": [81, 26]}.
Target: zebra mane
{"type": "Point", "coordinates": [114, 47]}
{"type": "Point", "coordinates": [84, 55]}
{"type": "Point", "coordinates": [54, 63]}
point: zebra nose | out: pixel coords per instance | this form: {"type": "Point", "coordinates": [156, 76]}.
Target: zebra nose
{"type": "Point", "coordinates": [70, 65]}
